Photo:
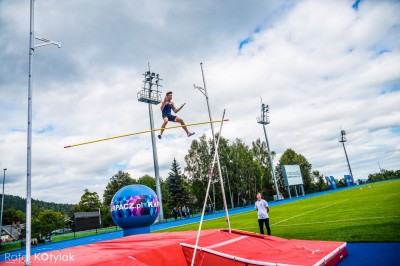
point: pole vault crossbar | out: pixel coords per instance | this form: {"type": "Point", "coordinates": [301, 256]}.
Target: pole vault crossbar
{"type": "Point", "coordinates": [142, 132]}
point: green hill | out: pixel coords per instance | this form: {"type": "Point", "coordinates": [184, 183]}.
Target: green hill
{"type": "Point", "coordinates": [18, 203]}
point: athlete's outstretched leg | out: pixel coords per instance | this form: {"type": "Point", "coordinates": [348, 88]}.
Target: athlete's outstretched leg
{"type": "Point", "coordinates": [179, 120]}
{"type": "Point", "coordinates": [163, 127]}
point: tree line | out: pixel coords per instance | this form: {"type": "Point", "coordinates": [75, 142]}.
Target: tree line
{"type": "Point", "coordinates": [15, 208]}
{"type": "Point", "coordinates": [383, 175]}
{"type": "Point", "coordinates": [245, 169]}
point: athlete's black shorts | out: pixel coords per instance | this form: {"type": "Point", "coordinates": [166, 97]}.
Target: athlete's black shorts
{"type": "Point", "coordinates": [170, 117]}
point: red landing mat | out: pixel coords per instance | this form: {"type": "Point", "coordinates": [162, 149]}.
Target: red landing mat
{"type": "Point", "coordinates": [243, 248]}
{"type": "Point", "coordinates": [216, 247]}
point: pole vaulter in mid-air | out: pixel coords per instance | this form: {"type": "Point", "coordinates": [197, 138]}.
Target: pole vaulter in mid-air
{"type": "Point", "coordinates": [166, 107]}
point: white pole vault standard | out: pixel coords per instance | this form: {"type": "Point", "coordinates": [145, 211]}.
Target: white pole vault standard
{"type": "Point", "coordinates": [142, 132]}
{"type": "Point", "coordinates": [204, 91]}
{"type": "Point", "coordinates": [208, 189]}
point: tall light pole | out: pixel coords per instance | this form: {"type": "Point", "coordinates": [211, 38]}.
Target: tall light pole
{"type": "Point", "coordinates": [264, 120]}
{"type": "Point", "coordinates": [203, 90]}
{"type": "Point", "coordinates": [32, 47]}
{"type": "Point", "coordinates": [380, 169]}
{"type": "Point", "coordinates": [2, 203]}
{"type": "Point", "coordinates": [151, 96]}
{"type": "Point", "coordinates": [343, 139]}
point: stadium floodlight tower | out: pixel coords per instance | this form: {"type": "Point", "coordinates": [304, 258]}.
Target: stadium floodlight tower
{"type": "Point", "coordinates": [264, 120]}
{"type": "Point", "coordinates": [32, 46]}
{"type": "Point", "coordinates": [343, 139]}
{"type": "Point", "coordinates": [152, 96]}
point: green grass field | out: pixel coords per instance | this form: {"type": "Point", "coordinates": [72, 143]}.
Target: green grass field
{"type": "Point", "coordinates": [363, 213]}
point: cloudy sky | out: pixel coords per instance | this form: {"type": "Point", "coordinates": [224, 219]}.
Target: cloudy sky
{"type": "Point", "coordinates": [321, 66]}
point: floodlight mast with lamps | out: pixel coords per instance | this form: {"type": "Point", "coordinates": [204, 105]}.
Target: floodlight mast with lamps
{"type": "Point", "coordinates": [343, 139]}
{"type": "Point", "coordinates": [203, 90]}
{"type": "Point", "coordinates": [32, 47]}
{"type": "Point", "coordinates": [150, 96]}
{"type": "Point", "coordinates": [264, 120]}
{"type": "Point", "coordinates": [46, 42]}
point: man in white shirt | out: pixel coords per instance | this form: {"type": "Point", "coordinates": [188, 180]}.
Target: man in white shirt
{"type": "Point", "coordinates": [262, 208]}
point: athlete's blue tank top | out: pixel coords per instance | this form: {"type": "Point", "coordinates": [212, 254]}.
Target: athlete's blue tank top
{"type": "Point", "coordinates": [167, 108]}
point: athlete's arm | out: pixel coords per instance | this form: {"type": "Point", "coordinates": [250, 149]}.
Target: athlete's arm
{"type": "Point", "coordinates": [163, 104]}
{"type": "Point", "coordinates": [177, 110]}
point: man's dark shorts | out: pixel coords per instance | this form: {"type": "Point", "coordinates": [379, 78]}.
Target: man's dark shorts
{"type": "Point", "coordinates": [170, 117]}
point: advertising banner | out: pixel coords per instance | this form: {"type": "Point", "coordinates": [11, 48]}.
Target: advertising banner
{"type": "Point", "coordinates": [292, 175]}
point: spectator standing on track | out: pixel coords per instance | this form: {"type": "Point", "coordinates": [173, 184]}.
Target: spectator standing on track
{"type": "Point", "coordinates": [180, 212]}
{"type": "Point", "coordinates": [48, 238]}
{"type": "Point", "coordinates": [175, 213]}
{"type": "Point", "coordinates": [184, 212]}
{"type": "Point", "coordinates": [263, 209]}
{"type": "Point", "coordinates": [187, 212]}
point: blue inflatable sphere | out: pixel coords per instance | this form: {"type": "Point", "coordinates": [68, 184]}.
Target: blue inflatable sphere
{"type": "Point", "coordinates": [134, 206]}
